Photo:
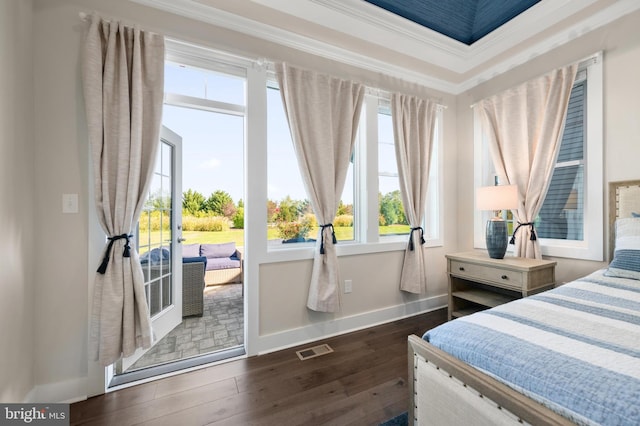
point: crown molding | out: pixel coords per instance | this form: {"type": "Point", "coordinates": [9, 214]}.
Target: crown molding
{"type": "Point", "coordinates": [220, 18]}
{"type": "Point", "coordinates": [593, 22]}
{"type": "Point", "coordinates": [377, 26]}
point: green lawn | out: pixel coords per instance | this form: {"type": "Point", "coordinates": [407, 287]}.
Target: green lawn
{"type": "Point", "coordinates": [237, 235]}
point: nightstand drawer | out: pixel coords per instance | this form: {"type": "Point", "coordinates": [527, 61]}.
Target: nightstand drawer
{"type": "Point", "coordinates": [501, 277]}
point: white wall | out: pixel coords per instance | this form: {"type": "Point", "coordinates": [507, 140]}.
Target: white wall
{"type": "Point", "coordinates": [63, 271]}
{"type": "Point", "coordinates": [17, 249]}
{"type": "Point", "coordinates": [620, 42]}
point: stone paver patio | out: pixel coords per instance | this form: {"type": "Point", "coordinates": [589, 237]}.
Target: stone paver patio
{"type": "Point", "coordinates": [220, 327]}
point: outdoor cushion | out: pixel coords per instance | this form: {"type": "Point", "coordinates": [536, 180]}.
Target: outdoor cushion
{"type": "Point", "coordinates": [155, 255]}
{"type": "Point", "coordinates": [191, 250]}
{"type": "Point", "coordinates": [218, 250]}
{"type": "Point", "coordinates": [195, 259]}
{"type": "Point", "coordinates": [221, 263]}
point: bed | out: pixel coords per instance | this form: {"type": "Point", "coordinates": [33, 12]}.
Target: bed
{"type": "Point", "coordinates": [567, 356]}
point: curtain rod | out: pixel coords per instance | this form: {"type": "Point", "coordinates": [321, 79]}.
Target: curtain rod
{"type": "Point", "coordinates": [583, 64]}
{"type": "Point", "coordinates": [384, 94]}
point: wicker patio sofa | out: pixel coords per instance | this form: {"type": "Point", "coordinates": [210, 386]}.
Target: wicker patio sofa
{"type": "Point", "coordinates": [192, 288]}
{"type": "Point", "coordinates": [224, 263]}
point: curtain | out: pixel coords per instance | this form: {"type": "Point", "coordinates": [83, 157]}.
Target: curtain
{"type": "Point", "coordinates": [413, 128]}
{"type": "Point", "coordinates": [524, 128]}
{"type": "Point", "coordinates": [323, 114]}
{"type": "Point", "coordinates": [123, 78]}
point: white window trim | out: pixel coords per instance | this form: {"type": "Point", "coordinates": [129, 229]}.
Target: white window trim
{"type": "Point", "coordinates": [366, 236]}
{"type": "Point", "coordinates": [592, 246]}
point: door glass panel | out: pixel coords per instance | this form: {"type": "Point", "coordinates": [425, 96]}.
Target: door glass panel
{"type": "Point", "coordinates": [155, 235]}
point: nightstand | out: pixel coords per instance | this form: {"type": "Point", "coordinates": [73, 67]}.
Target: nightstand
{"type": "Point", "coordinates": [478, 282]}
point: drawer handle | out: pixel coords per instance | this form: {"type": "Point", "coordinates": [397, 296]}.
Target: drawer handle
{"type": "Point", "coordinates": [504, 277]}
{"type": "Point", "coordinates": [461, 268]}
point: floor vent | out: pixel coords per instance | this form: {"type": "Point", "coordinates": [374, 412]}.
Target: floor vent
{"type": "Point", "coordinates": [314, 352]}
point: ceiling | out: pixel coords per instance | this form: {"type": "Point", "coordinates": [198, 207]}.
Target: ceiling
{"type": "Point", "coordinates": [365, 35]}
{"type": "Point", "coordinates": [466, 21]}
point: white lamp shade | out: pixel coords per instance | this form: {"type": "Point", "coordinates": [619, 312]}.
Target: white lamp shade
{"type": "Point", "coordinates": [504, 197]}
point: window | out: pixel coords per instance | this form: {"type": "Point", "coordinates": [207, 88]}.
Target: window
{"type": "Point", "coordinates": [570, 221]}
{"type": "Point", "coordinates": [288, 209]}
{"type": "Point", "coordinates": [290, 217]}
{"type": "Point", "coordinates": [392, 219]}
{"type": "Point", "coordinates": [562, 213]}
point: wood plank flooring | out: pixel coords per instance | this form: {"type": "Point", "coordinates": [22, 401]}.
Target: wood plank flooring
{"type": "Point", "coordinates": [363, 382]}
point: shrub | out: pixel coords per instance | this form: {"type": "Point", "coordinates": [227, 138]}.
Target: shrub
{"type": "Point", "coordinates": [150, 221]}
{"type": "Point", "coordinates": [209, 223]}
{"type": "Point", "coordinates": [343, 221]}
{"type": "Point", "coordinates": [310, 220]}
{"type": "Point", "coordinates": [381, 220]}
{"type": "Point", "coordinates": [238, 218]}
{"type": "Point", "coordinates": [289, 230]}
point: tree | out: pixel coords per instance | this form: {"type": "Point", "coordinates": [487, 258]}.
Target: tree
{"type": "Point", "coordinates": [220, 203]}
{"type": "Point", "coordinates": [238, 218]}
{"type": "Point", "coordinates": [344, 209]}
{"type": "Point", "coordinates": [192, 201]}
{"type": "Point", "coordinates": [158, 201]}
{"type": "Point", "coordinates": [391, 208]}
{"type": "Point", "coordinates": [287, 210]}
{"type": "Point", "coordinates": [272, 210]}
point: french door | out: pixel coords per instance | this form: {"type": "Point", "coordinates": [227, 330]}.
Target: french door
{"type": "Point", "coordinates": [159, 239]}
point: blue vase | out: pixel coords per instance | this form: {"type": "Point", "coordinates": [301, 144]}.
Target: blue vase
{"type": "Point", "coordinates": [496, 238]}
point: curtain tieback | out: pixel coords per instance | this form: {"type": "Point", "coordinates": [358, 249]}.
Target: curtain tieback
{"type": "Point", "coordinates": [533, 232]}
{"type": "Point", "coordinates": [417, 228]}
{"type": "Point", "coordinates": [125, 253]}
{"type": "Point", "coordinates": [333, 235]}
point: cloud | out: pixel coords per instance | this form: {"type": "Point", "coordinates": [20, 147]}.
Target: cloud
{"type": "Point", "coordinates": [212, 163]}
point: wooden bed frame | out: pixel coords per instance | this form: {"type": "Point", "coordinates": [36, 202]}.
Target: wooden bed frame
{"type": "Point", "coordinates": [446, 391]}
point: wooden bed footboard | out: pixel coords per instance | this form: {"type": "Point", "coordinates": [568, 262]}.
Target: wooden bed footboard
{"type": "Point", "coordinates": [445, 391]}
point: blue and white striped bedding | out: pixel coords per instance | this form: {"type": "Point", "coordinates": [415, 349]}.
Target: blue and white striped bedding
{"type": "Point", "coordinates": [575, 349]}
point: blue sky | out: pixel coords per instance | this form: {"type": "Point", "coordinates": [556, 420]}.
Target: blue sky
{"type": "Point", "coordinates": [213, 143]}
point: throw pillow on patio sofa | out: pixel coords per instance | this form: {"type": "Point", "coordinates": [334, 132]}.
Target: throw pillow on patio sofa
{"type": "Point", "coordinates": [220, 256]}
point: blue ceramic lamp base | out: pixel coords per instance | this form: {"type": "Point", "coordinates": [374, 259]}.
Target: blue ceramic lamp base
{"type": "Point", "coordinates": [496, 235]}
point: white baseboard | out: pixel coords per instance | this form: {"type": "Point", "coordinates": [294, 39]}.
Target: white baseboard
{"type": "Point", "coordinates": [66, 392]}
{"type": "Point", "coordinates": [314, 332]}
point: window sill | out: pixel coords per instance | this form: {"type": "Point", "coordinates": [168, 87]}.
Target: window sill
{"type": "Point", "coordinates": [305, 251]}
{"type": "Point", "coordinates": [565, 249]}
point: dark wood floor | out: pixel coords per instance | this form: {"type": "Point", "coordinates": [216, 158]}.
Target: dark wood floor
{"type": "Point", "coordinates": [363, 382]}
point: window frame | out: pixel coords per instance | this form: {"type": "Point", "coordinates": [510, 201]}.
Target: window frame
{"type": "Point", "coordinates": [366, 188]}
{"type": "Point", "coordinates": [591, 247]}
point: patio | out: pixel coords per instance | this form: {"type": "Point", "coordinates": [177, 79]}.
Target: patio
{"type": "Point", "coordinates": [220, 327]}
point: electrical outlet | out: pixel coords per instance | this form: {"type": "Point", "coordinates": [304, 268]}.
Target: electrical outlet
{"type": "Point", "coordinates": [347, 286]}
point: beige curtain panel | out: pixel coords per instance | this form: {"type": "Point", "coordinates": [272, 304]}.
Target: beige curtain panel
{"type": "Point", "coordinates": [524, 127]}
{"type": "Point", "coordinates": [413, 129]}
{"type": "Point", "coordinates": [323, 114]}
{"type": "Point", "coordinates": [123, 78]}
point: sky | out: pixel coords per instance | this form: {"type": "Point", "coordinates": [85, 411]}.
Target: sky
{"type": "Point", "coordinates": [213, 143]}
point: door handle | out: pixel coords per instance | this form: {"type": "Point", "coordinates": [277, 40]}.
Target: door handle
{"type": "Point", "coordinates": [180, 239]}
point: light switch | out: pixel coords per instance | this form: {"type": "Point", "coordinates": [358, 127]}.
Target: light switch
{"type": "Point", "coordinates": [69, 203]}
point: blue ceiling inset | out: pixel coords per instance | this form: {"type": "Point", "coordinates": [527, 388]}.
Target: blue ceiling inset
{"type": "Point", "coordinates": [464, 20]}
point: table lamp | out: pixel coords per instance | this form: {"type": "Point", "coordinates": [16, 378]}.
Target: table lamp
{"type": "Point", "coordinates": [497, 198]}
